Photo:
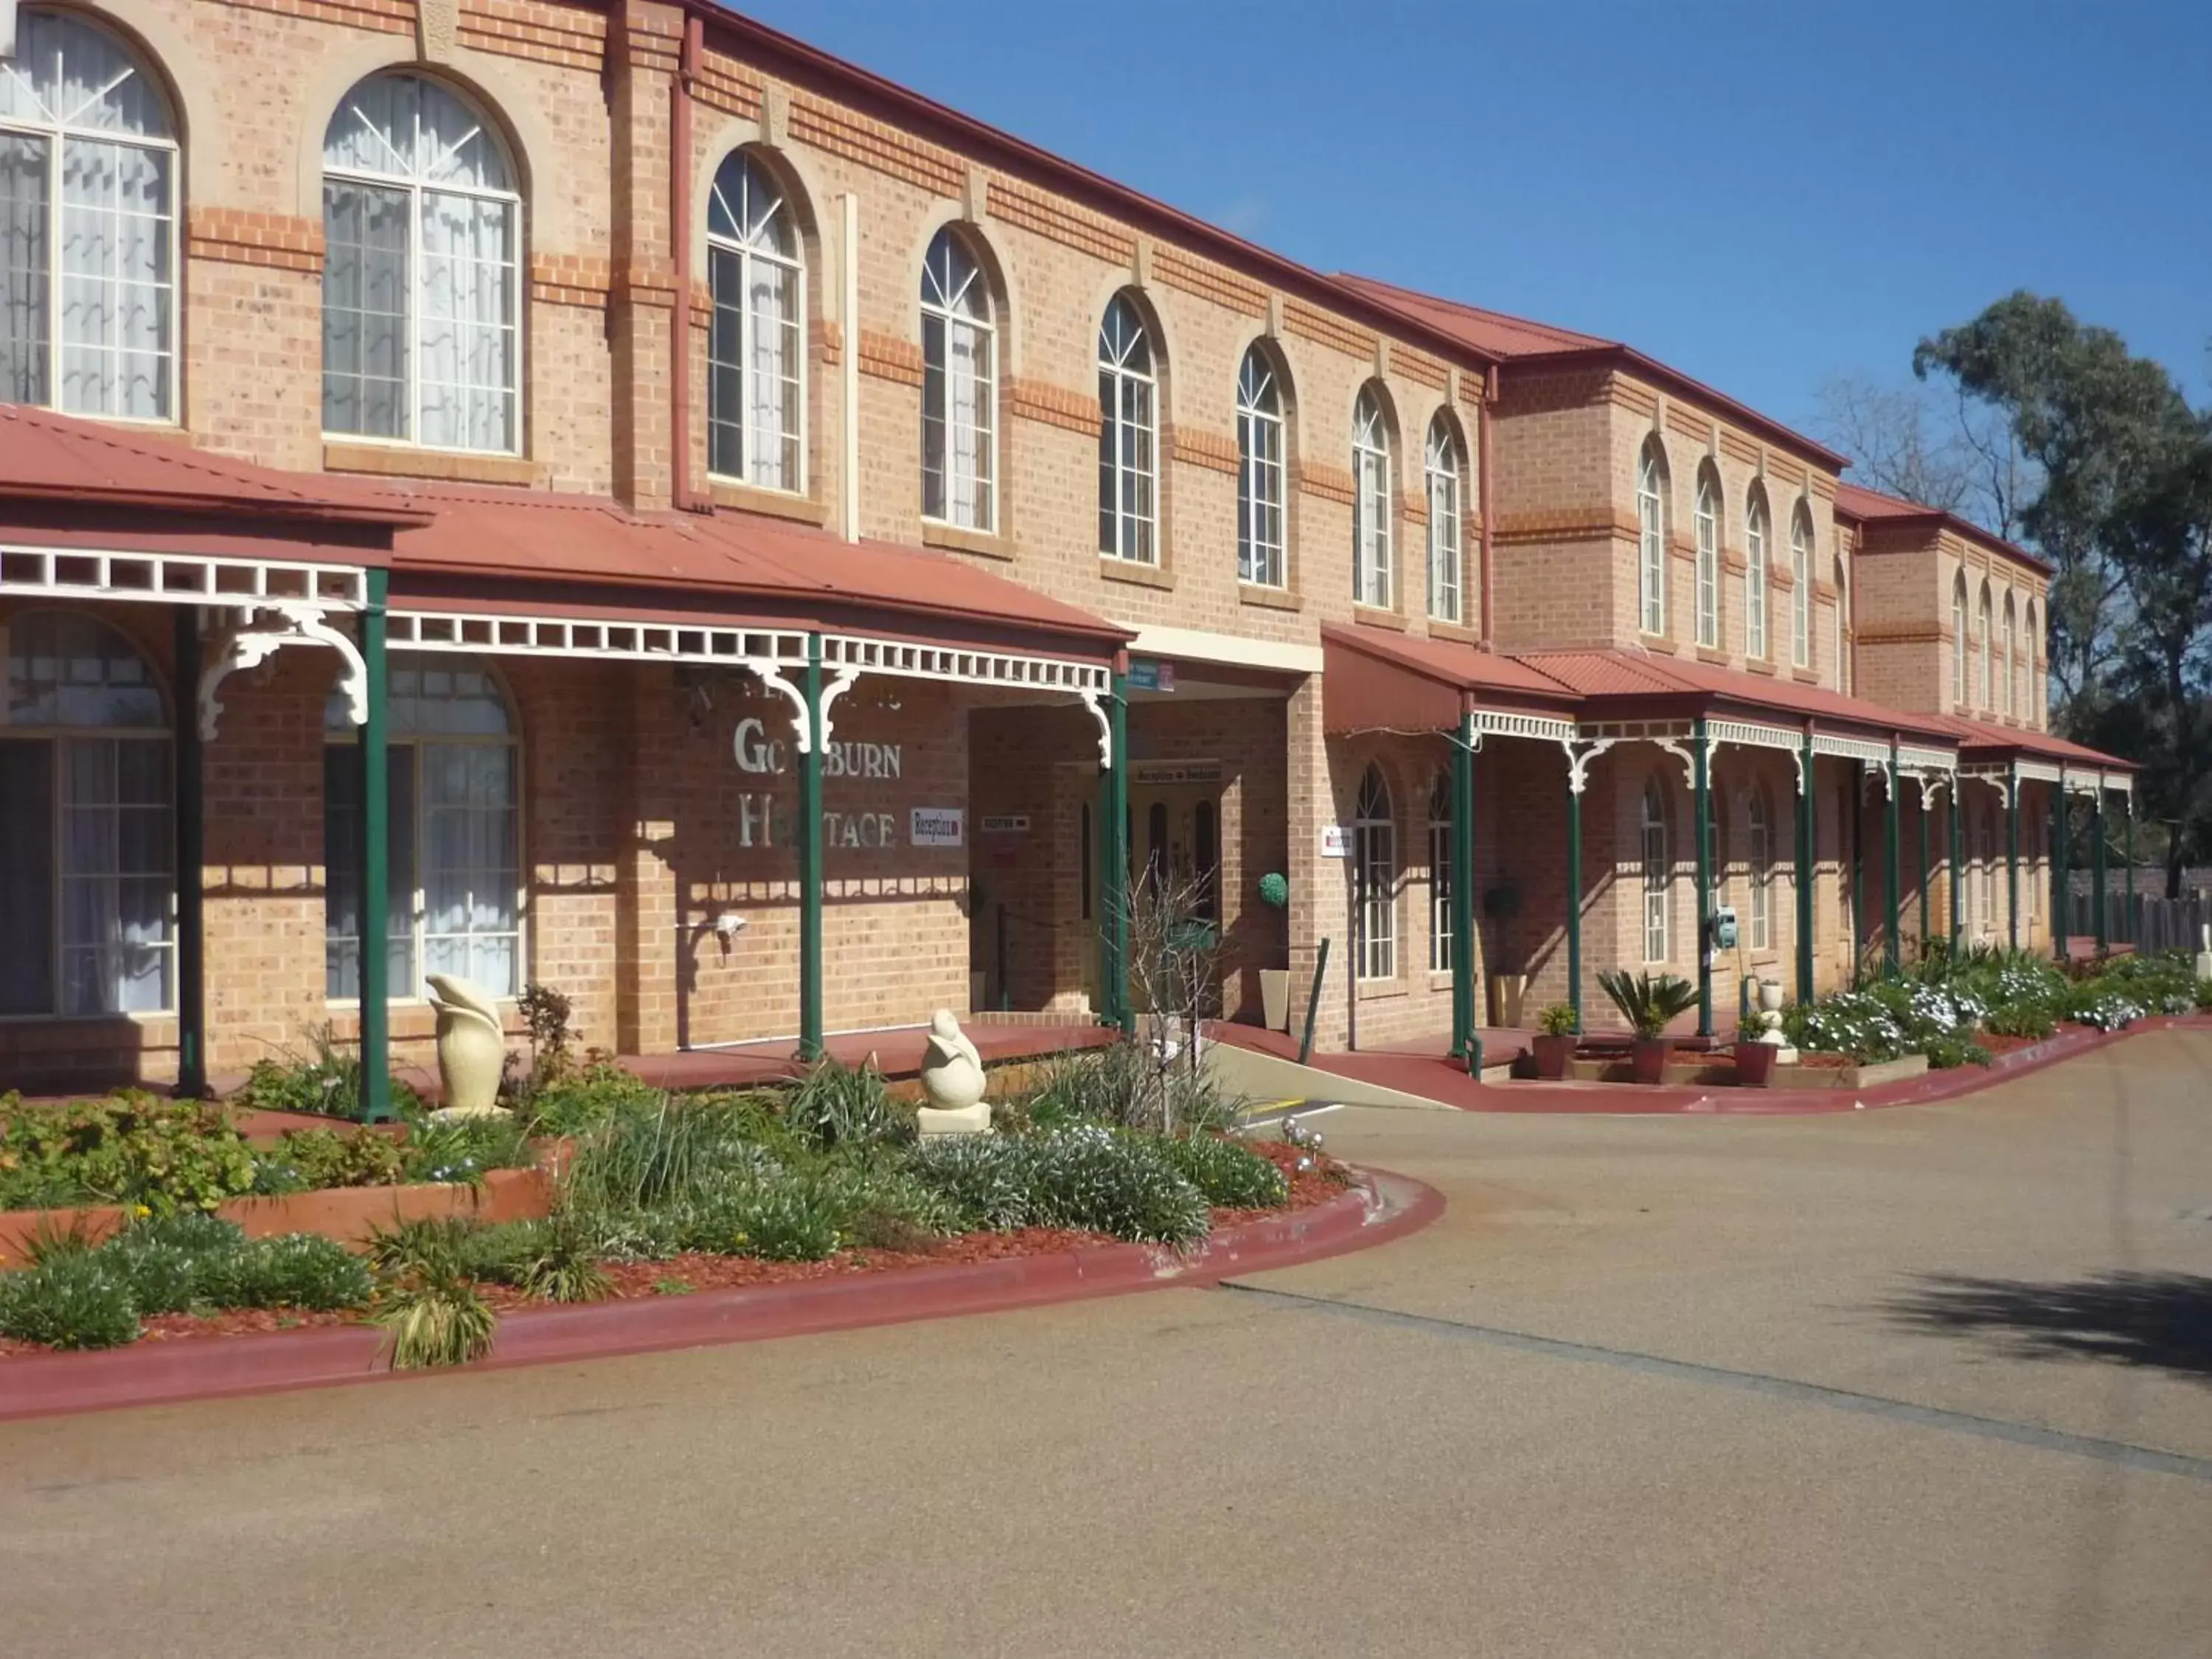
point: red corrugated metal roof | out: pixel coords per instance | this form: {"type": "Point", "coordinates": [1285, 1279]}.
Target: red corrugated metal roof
{"type": "Point", "coordinates": [46, 457]}
{"type": "Point", "coordinates": [1466, 666]}
{"type": "Point", "coordinates": [1864, 506]}
{"type": "Point", "coordinates": [1989, 736]}
{"type": "Point", "coordinates": [1636, 675]}
{"type": "Point", "coordinates": [1521, 340]}
{"type": "Point", "coordinates": [537, 536]}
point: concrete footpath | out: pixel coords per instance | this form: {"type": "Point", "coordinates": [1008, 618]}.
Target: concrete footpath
{"type": "Point", "coordinates": [1931, 1380]}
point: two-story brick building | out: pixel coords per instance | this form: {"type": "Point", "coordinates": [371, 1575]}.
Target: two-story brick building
{"type": "Point", "coordinates": [649, 507]}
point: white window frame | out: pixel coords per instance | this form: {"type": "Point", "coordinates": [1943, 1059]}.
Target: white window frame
{"type": "Point", "coordinates": [1800, 591]}
{"type": "Point", "coordinates": [1754, 580]}
{"type": "Point", "coordinates": [1706, 518]}
{"type": "Point", "coordinates": [1372, 505]}
{"type": "Point", "coordinates": [1984, 619]}
{"type": "Point", "coordinates": [1128, 422]}
{"type": "Point", "coordinates": [60, 739]}
{"type": "Point", "coordinates": [756, 246]}
{"type": "Point", "coordinates": [941, 299]}
{"type": "Point", "coordinates": [1262, 560]}
{"type": "Point", "coordinates": [1958, 643]}
{"type": "Point", "coordinates": [57, 132]}
{"type": "Point", "coordinates": [419, 936]}
{"type": "Point", "coordinates": [1375, 850]}
{"type": "Point", "coordinates": [2031, 706]}
{"type": "Point", "coordinates": [2011, 654]}
{"type": "Point", "coordinates": [1447, 563]}
{"type": "Point", "coordinates": [1440, 875]}
{"type": "Point", "coordinates": [1759, 852]}
{"type": "Point", "coordinates": [1841, 627]}
{"type": "Point", "coordinates": [1651, 541]}
{"type": "Point", "coordinates": [1658, 875]}
{"type": "Point", "coordinates": [1985, 844]}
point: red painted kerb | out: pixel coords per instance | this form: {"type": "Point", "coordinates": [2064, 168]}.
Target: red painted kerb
{"type": "Point", "coordinates": [1380, 1207]}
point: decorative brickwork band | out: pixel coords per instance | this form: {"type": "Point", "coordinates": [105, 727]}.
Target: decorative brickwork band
{"type": "Point", "coordinates": [1053, 405]}
{"type": "Point", "coordinates": [384, 17]}
{"type": "Point", "coordinates": [1416, 365]}
{"type": "Point", "coordinates": [1522, 527]}
{"type": "Point", "coordinates": [724, 85]}
{"type": "Point", "coordinates": [886, 357]}
{"type": "Point", "coordinates": [1211, 450]}
{"type": "Point", "coordinates": [272, 240]}
{"type": "Point", "coordinates": [1331, 483]}
{"type": "Point", "coordinates": [569, 37]}
{"type": "Point", "coordinates": [1303, 320]}
{"type": "Point", "coordinates": [1086, 233]}
{"type": "Point", "coordinates": [568, 279]}
{"type": "Point", "coordinates": [1204, 280]}
{"type": "Point", "coordinates": [873, 144]}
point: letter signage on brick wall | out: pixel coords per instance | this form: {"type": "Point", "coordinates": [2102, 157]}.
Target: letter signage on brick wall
{"type": "Point", "coordinates": [935, 826]}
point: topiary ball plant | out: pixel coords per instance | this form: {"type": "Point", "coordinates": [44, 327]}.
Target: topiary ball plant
{"type": "Point", "coordinates": [1275, 891]}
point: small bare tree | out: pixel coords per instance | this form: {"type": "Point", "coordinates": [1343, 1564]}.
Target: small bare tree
{"type": "Point", "coordinates": [1175, 985]}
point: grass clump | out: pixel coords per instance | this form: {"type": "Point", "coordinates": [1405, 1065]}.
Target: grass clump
{"type": "Point", "coordinates": [73, 1299]}
{"type": "Point", "coordinates": [1231, 1176]}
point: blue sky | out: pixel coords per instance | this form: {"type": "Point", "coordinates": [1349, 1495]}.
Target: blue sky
{"type": "Point", "coordinates": [1764, 195]}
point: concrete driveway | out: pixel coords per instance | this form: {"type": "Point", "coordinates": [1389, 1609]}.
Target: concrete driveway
{"type": "Point", "coordinates": [1935, 1381]}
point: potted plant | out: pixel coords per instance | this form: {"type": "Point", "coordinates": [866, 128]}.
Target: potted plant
{"type": "Point", "coordinates": [1275, 982]}
{"type": "Point", "coordinates": [1555, 1039]}
{"type": "Point", "coordinates": [1648, 1001]}
{"type": "Point", "coordinates": [1754, 1058]}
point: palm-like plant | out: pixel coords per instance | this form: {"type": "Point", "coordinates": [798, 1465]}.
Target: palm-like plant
{"type": "Point", "coordinates": [1648, 1001]}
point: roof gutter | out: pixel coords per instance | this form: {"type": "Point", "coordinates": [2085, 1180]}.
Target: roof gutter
{"type": "Point", "coordinates": [262, 512]}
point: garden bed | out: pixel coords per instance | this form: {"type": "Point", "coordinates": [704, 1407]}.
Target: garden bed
{"type": "Point", "coordinates": [1841, 1072]}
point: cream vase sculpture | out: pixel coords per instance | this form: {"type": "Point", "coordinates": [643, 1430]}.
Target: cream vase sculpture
{"type": "Point", "coordinates": [471, 1046]}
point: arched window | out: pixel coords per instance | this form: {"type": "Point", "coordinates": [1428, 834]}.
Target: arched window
{"type": "Point", "coordinates": [1258, 471]}
{"type": "Point", "coordinates": [1371, 506]}
{"type": "Point", "coordinates": [1754, 577]}
{"type": "Point", "coordinates": [1375, 856]}
{"type": "Point", "coordinates": [1801, 592]}
{"type": "Point", "coordinates": [1440, 875]}
{"type": "Point", "coordinates": [1441, 471]}
{"type": "Point", "coordinates": [85, 841]}
{"type": "Point", "coordinates": [455, 888]}
{"type": "Point", "coordinates": [1707, 521]}
{"type": "Point", "coordinates": [757, 352]}
{"type": "Point", "coordinates": [2031, 703]}
{"type": "Point", "coordinates": [1986, 869]}
{"type": "Point", "coordinates": [1759, 852]}
{"type": "Point", "coordinates": [959, 428]}
{"type": "Point", "coordinates": [1983, 643]}
{"type": "Point", "coordinates": [1128, 509]}
{"type": "Point", "coordinates": [2007, 677]}
{"type": "Point", "coordinates": [87, 224]}
{"type": "Point", "coordinates": [1843, 627]}
{"type": "Point", "coordinates": [1658, 873]}
{"type": "Point", "coordinates": [422, 272]}
{"type": "Point", "coordinates": [1651, 539]}
{"type": "Point", "coordinates": [1959, 644]}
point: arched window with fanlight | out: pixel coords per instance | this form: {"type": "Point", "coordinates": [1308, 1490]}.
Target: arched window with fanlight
{"type": "Point", "coordinates": [959, 388]}
{"type": "Point", "coordinates": [2031, 697]}
{"type": "Point", "coordinates": [1440, 471]}
{"type": "Point", "coordinates": [1801, 592]}
{"type": "Point", "coordinates": [87, 224]}
{"type": "Point", "coordinates": [1706, 517]}
{"type": "Point", "coordinates": [757, 347]}
{"type": "Point", "coordinates": [2006, 678]}
{"type": "Point", "coordinates": [1754, 575]}
{"type": "Point", "coordinates": [1440, 874]}
{"type": "Point", "coordinates": [422, 270]}
{"type": "Point", "coordinates": [1129, 435]}
{"type": "Point", "coordinates": [1842, 629]}
{"type": "Point", "coordinates": [1375, 871]}
{"type": "Point", "coordinates": [86, 888]}
{"type": "Point", "coordinates": [1260, 469]}
{"type": "Point", "coordinates": [1759, 850]}
{"type": "Point", "coordinates": [456, 899]}
{"type": "Point", "coordinates": [1651, 539]}
{"type": "Point", "coordinates": [1657, 873]}
{"type": "Point", "coordinates": [1983, 651]}
{"type": "Point", "coordinates": [1958, 643]}
{"type": "Point", "coordinates": [1371, 506]}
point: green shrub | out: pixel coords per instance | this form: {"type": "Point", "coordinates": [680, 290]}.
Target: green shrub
{"type": "Point", "coordinates": [671, 1151]}
{"type": "Point", "coordinates": [1231, 1176]}
{"type": "Point", "coordinates": [310, 1160]}
{"type": "Point", "coordinates": [778, 1219]}
{"type": "Point", "coordinates": [1101, 1182]}
{"type": "Point", "coordinates": [325, 1080]}
{"type": "Point", "coordinates": [1850, 1023]}
{"type": "Point", "coordinates": [2021, 1020]}
{"type": "Point", "coordinates": [466, 1150]}
{"type": "Point", "coordinates": [290, 1270]}
{"type": "Point", "coordinates": [437, 1319]}
{"type": "Point", "coordinates": [129, 1148]}
{"type": "Point", "coordinates": [565, 1266]}
{"type": "Point", "coordinates": [984, 1178]}
{"type": "Point", "coordinates": [77, 1299]}
{"type": "Point", "coordinates": [1119, 1083]}
{"type": "Point", "coordinates": [1945, 1052]}
{"type": "Point", "coordinates": [580, 1101]}
{"type": "Point", "coordinates": [835, 1105]}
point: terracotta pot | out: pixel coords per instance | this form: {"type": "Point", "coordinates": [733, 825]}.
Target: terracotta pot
{"type": "Point", "coordinates": [1275, 998]}
{"type": "Point", "coordinates": [1648, 1056]}
{"type": "Point", "coordinates": [1554, 1054]}
{"type": "Point", "coordinates": [1754, 1064]}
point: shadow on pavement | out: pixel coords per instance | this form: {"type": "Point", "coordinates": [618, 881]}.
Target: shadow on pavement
{"type": "Point", "coordinates": [2163, 1321]}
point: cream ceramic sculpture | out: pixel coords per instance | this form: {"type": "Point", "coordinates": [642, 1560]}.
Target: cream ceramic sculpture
{"type": "Point", "coordinates": [1768, 1018]}
{"type": "Point", "coordinates": [471, 1047]}
{"type": "Point", "coordinates": [952, 1078]}
{"type": "Point", "coordinates": [2204, 953]}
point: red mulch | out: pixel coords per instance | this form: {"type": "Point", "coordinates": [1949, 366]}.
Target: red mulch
{"type": "Point", "coordinates": [2004, 1045]}
{"type": "Point", "coordinates": [1832, 1062]}
{"type": "Point", "coordinates": [715, 1273]}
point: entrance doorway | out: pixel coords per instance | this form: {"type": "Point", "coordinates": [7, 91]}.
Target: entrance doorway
{"type": "Point", "coordinates": [1174, 834]}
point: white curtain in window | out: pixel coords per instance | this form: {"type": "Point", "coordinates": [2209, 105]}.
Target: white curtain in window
{"type": "Point", "coordinates": [90, 136]}
{"type": "Point", "coordinates": [468, 873]}
{"type": "Point", "coordinates": [1442, 470]}
{"type": "Point", "coordinates": [1658, 876]}
{"type": "Point", "coordinates": [1651, 542]}
{"type": "Point", "coordinates": [115, 875]}
{"type": "Point", "coordinates": [1371, 511]}
{"type": "Point", "coordinates": [1259, 472]}
{"type": "Point", "coordinates": [1754, 581]}
{"type": "Point", "coordinates": [957, 404]}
